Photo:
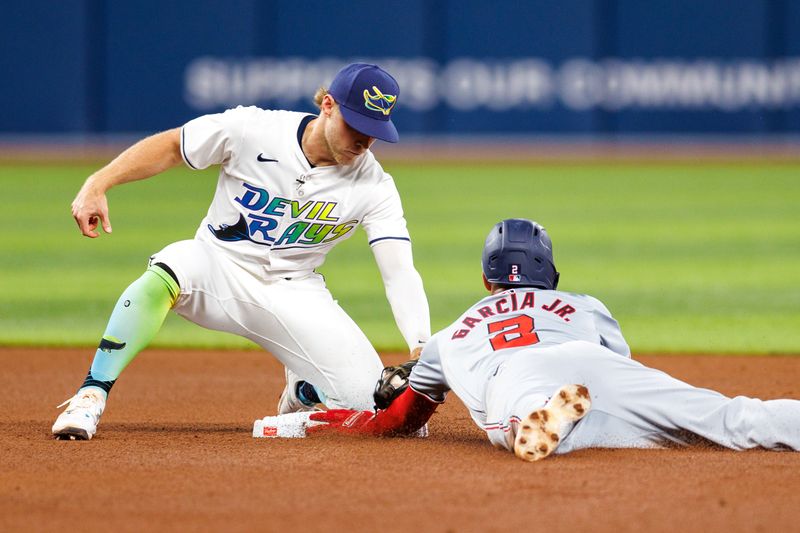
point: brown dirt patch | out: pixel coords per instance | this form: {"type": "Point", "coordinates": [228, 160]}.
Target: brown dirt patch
{"type": "Point", "coordinates": [174, 451]}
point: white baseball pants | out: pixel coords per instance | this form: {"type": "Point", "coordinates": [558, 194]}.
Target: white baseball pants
{"type": "Point", "coordinates": [297, 320]}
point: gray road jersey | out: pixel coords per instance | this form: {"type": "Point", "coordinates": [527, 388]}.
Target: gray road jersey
{"type": "Point", "coordinates": [464, 356]}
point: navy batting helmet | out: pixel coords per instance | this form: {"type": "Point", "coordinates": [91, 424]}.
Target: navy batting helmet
{"type": "Point", "coordinates": [519, 252]}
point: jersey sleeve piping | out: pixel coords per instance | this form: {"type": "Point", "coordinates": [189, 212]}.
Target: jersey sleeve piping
{"type": "Point", "coordinates": [373, 241]}
{"type": "Point", "coordinates": [183, 150]}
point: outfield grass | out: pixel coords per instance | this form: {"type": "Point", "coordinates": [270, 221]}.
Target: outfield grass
{"type": "Point", "coordinates": [697, 258]}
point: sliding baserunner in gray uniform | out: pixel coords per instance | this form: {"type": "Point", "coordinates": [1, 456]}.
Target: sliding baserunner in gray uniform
{"type": "Point", "coordinates": [545, 371]}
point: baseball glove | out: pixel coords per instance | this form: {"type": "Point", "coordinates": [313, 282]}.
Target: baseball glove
{"type": "Point", "coordinates": [393, 381]}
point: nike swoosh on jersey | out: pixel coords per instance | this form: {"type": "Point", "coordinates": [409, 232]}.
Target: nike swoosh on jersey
{"type": "Point", "coordinates": [265, 160]}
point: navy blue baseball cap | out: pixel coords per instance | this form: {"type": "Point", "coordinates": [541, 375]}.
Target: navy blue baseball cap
{"type": "Point", "coordinates": [366, 95]}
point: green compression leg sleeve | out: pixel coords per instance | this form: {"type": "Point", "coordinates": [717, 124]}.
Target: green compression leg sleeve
{"type": "Point", "coordinates": [136, 319]}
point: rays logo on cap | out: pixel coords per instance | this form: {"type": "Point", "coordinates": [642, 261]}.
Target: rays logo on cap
{"type": "Point", "coordinates": [379, 101]}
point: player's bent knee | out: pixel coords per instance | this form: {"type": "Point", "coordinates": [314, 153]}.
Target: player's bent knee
{"type": "Point", "coordinates": [187, 262]}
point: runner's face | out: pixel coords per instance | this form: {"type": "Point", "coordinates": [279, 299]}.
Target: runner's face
{"type": "Point", "coordinates": [343, 142]}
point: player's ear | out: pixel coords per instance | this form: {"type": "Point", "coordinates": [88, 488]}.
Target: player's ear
{"type": "Point", "coordinates": [327, 105]}
{"type": "Point", "coordinates": [486, 283]}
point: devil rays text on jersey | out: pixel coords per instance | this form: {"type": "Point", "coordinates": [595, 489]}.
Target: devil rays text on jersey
{"type": "Point", "coordinates": [313, 223]}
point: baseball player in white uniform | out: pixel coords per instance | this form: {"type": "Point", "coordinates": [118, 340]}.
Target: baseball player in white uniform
{"type": "Point", "coordinates": [544, 371]}
{"type": "Point", "coordinates": [291, 186]}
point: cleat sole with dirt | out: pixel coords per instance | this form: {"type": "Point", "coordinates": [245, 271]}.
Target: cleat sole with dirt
{"type": "Point", "coordinates": [543, 429]}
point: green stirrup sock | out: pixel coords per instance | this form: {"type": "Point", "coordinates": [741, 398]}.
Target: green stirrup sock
{"type": "Point", "coordinates": [136, 319]}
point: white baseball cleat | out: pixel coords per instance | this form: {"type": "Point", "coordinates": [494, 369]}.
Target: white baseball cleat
{"type": "Point", "coordinates": [540, 433]}
{"type": "Point", "coordinates": [289, 402]}
{"type": "Point", "coordinates": [79, 420]}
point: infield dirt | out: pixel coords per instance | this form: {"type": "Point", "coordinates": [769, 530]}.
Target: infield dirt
{"type": "Point", "coordinates": [174, 452]}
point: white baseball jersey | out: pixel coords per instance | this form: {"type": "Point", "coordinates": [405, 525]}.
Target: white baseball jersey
{"type": "Point", "coordinates": [273, 213]}
{"type": "Point", "coordinates": [464, 356]}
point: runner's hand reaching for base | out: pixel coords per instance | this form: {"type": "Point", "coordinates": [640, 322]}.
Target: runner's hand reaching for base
{"type": "Point", "coordinates": [406, 414]}
{"type": "Point", "coordinates": [343, 421]}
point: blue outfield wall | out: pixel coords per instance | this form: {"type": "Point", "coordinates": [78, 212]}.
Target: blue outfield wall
{"type": "Point", "coordinates": [465, 67]}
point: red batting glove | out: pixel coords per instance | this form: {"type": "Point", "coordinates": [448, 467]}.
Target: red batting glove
{"type": "Point", "coordinates": [343, 421]}
{"type": "Point", "coordinates": [407, 413]}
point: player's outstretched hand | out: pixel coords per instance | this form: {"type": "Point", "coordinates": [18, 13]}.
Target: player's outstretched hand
{"type": "Point", "coordinates": [343, 421]}
{"type": "Point", "coordinates": [407, 414]}
{"type": "Point", "coordinates": [89, 208]}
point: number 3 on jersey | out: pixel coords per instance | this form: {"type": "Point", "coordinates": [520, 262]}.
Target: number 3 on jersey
{"type": "Point", "coordinates": [513, 332]}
